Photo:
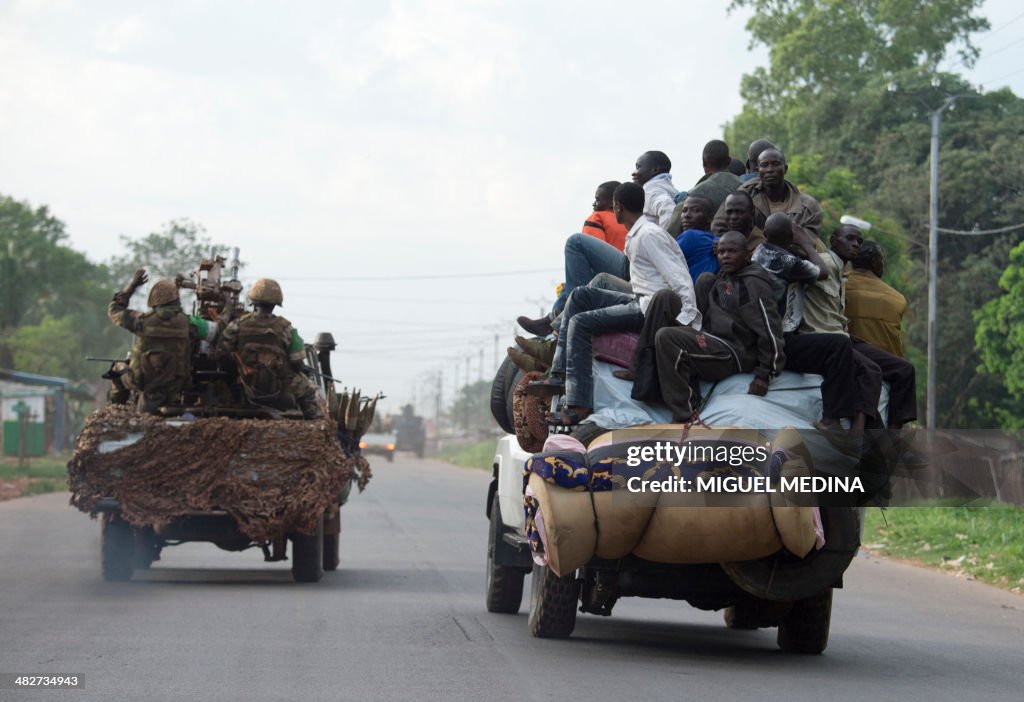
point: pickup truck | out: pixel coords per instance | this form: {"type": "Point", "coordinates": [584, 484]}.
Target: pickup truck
{"type": "Point", "coordinates": [777, 590]}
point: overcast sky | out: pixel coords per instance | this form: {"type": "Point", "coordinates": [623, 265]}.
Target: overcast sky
{"type": "Point", "coordinates": [391, 141]}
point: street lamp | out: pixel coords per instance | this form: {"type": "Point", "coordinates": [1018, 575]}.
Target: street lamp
{"type": "Point", "coordinates": [933, 240]}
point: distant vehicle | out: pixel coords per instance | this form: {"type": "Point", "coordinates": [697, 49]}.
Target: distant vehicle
{"type": "Point", "coordinates": [411, 435]}
{"type": "Point", "coordinates": [379, 443]}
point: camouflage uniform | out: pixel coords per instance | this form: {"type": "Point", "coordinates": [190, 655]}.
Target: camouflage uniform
{"type": "Point", "coordinates": [160, 366]}
{"type": "Point", "coordinates": [270, 355]}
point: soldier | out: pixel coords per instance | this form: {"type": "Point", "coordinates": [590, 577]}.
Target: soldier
{"type": "Point", "coordinates": [160, 365]}
{"type": "Point", "coordinates": [269, 354]}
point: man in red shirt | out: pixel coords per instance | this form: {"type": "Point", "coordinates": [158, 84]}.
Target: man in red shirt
{"type": "Point", "coordinates": [602, 224]}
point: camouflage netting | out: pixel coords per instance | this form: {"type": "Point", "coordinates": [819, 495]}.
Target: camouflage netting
{"type": "Point", "coordinates": [273, 476]}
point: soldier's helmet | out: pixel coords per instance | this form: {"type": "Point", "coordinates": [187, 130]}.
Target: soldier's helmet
{"type": "Point", "coordinates": [163, 292]}
{"type": "Point", "coordinates": [266, 290]}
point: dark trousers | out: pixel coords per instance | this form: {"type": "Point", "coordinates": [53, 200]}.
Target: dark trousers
{"type": "Point", "coordinates": [830, 356]}
{"type": "Point", "coordinates": [685, 357]}
{"type": "Point", "coordinates": [902, 379]}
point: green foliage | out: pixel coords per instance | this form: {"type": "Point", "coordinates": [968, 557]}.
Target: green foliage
{"type": "Point", "coordinates": [1000, 332]}
{"type": "Point", "coordinates": [177, 248]}
{"type": "Point", "coordinates": [984, 542]}
{"type": "Point", "coordinates": [40, 278]}
{"type": "Point", "coordinates": [834, 46]}
{"type": "Point", "coordinates": [475, 454]}
{"type": "Point", "coordinates": [472, 410]}
{"type": "Point", "coordinates": [52, 347]}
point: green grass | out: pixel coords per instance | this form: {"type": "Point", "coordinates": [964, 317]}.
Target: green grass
{"type": "Point", "coordinates": [474, 454]}
{"type": "Point", "coordinates": [44, 474]}
{"type": "Point", "coordinates": [986, 543]}
{"type": "Point", "coordinates": [42, 467]}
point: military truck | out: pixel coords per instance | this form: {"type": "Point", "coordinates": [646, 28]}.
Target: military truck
{"type": "Point", "coordinates": [218, 468]}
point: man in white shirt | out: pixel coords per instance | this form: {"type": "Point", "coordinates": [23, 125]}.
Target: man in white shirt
{"type": "Point", "coordinates": [652, 172]}
{"type": "Point", "coordinates": [655, 263]}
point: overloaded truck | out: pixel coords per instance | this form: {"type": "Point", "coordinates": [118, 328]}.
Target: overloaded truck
{"type": "Point", "coordinates": [218, 468]}
{"type": "Point", "coordinates": [569, 511]}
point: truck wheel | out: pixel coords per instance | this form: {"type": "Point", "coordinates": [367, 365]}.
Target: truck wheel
{"type": "Point", "coordinates": [805, 628]}
{"type": "Point", "coordinates": [332, 544]}
{"type": "Point", "coordinates": [504, 584]}
{"type": "Point", "coordinates": [783, 577]}
{"type": "Point", "coordinates": [146, 548]}
{"type": "Point", "coordinates": [553, 602]}
{"type": "Point", "coordinates": [308, 555]}
{"type": "Point", "coordinates": [500, 393]}
{"type": "Point", "coordinates": [332, 551]}
{"type": "Point", "coordinates": [117, 549]}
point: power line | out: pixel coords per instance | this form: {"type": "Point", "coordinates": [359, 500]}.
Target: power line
{"type": "Point", "coordinates": [973, 232]}
{"type": "Point", "coordinates": [439, 276]}
{"type": "Point", "coordinates": [986, 37]}
{"type": "Point", "coordinates": [409, 300]}
{"type": "Point", "coordinates": [996, 80]}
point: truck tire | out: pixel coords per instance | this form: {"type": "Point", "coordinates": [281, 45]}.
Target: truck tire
{"type": "Point", "coordinates": [805, 628]}
{"type": "Point", "coordinates": [783, 577]}
{"type": "Point", "coordinates": [504, 584]}
{"type": "Point", "coordinates": [553, 601]}
{"type": "Point", "coordinates": [332, 545]}
{"type": "Point", "coordinates": [332, 552]}
{"type": "Point", "coordinates": [308, 555]}
{"type": "Point", "coordinates": [117, 549]}
{"type": "Point", "coordinates": [500, 394]}
{"type": "Point", "coordinates": [146, 548]}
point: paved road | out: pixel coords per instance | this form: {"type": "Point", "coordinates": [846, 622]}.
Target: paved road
{"type": "Point", "coordinates": [404, 619]}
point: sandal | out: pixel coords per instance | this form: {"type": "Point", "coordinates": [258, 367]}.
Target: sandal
{"type": "Point", "coordinates": [567, 417]}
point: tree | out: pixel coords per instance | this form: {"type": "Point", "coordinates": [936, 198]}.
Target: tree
{"type": "Point", "coordinates": [834, 46]}
{"type": "Point", "coordinates": [52, 347]}
{"type": "Point", "coordinates": [177, 248]}
{"type": "Point", "coordinates": [1000, 335]}
{"type": "Point", "coordinates": [41, 276]}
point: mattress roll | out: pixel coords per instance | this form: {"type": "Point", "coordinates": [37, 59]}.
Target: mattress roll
{"type": "Point", "coordinates": [679, 534]}
{"type": "Point", "coordinates": [795, 524]}
{"type": "Point", "coordinates": [570, 534]}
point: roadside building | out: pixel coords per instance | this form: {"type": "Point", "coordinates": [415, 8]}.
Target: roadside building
{"type": "Point", "coordinates": [51, 408]}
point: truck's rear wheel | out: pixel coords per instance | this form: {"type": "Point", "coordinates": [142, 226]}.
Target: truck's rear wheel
{"type": "Point", "coordinates": [332, 542]}
{"type": "Point", "coordinates": [504, 584]}
{"type": "Point", "coordinates": [117, 549]}
{"type": "Point", "coordinates": [805, 628]}
{"type": "Point", "coordinates": [308, 555]}
{"type": "Point", "coordinates": [553, 602]}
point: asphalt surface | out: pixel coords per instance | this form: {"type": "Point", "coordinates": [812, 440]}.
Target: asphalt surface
{"type": "Point", "coordinates": [404, 619]}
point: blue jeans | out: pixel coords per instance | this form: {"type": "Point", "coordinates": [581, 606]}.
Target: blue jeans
{"type": "Point", "coordinates": [589, 313]}
{"type": "Point", "coordinates": [585, 257]}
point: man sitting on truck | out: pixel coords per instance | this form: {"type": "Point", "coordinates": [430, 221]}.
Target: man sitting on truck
{"type": "Point", "coordinates": [160, 367]}
{"type": "Point", "coordinates": [741, 332]}
{"type": "Point", "coordinates": [270, 354]}
{"type": "Point", "coordinates": [655, 263]}
{"type": "Point", "coordinates": [790, 257]}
